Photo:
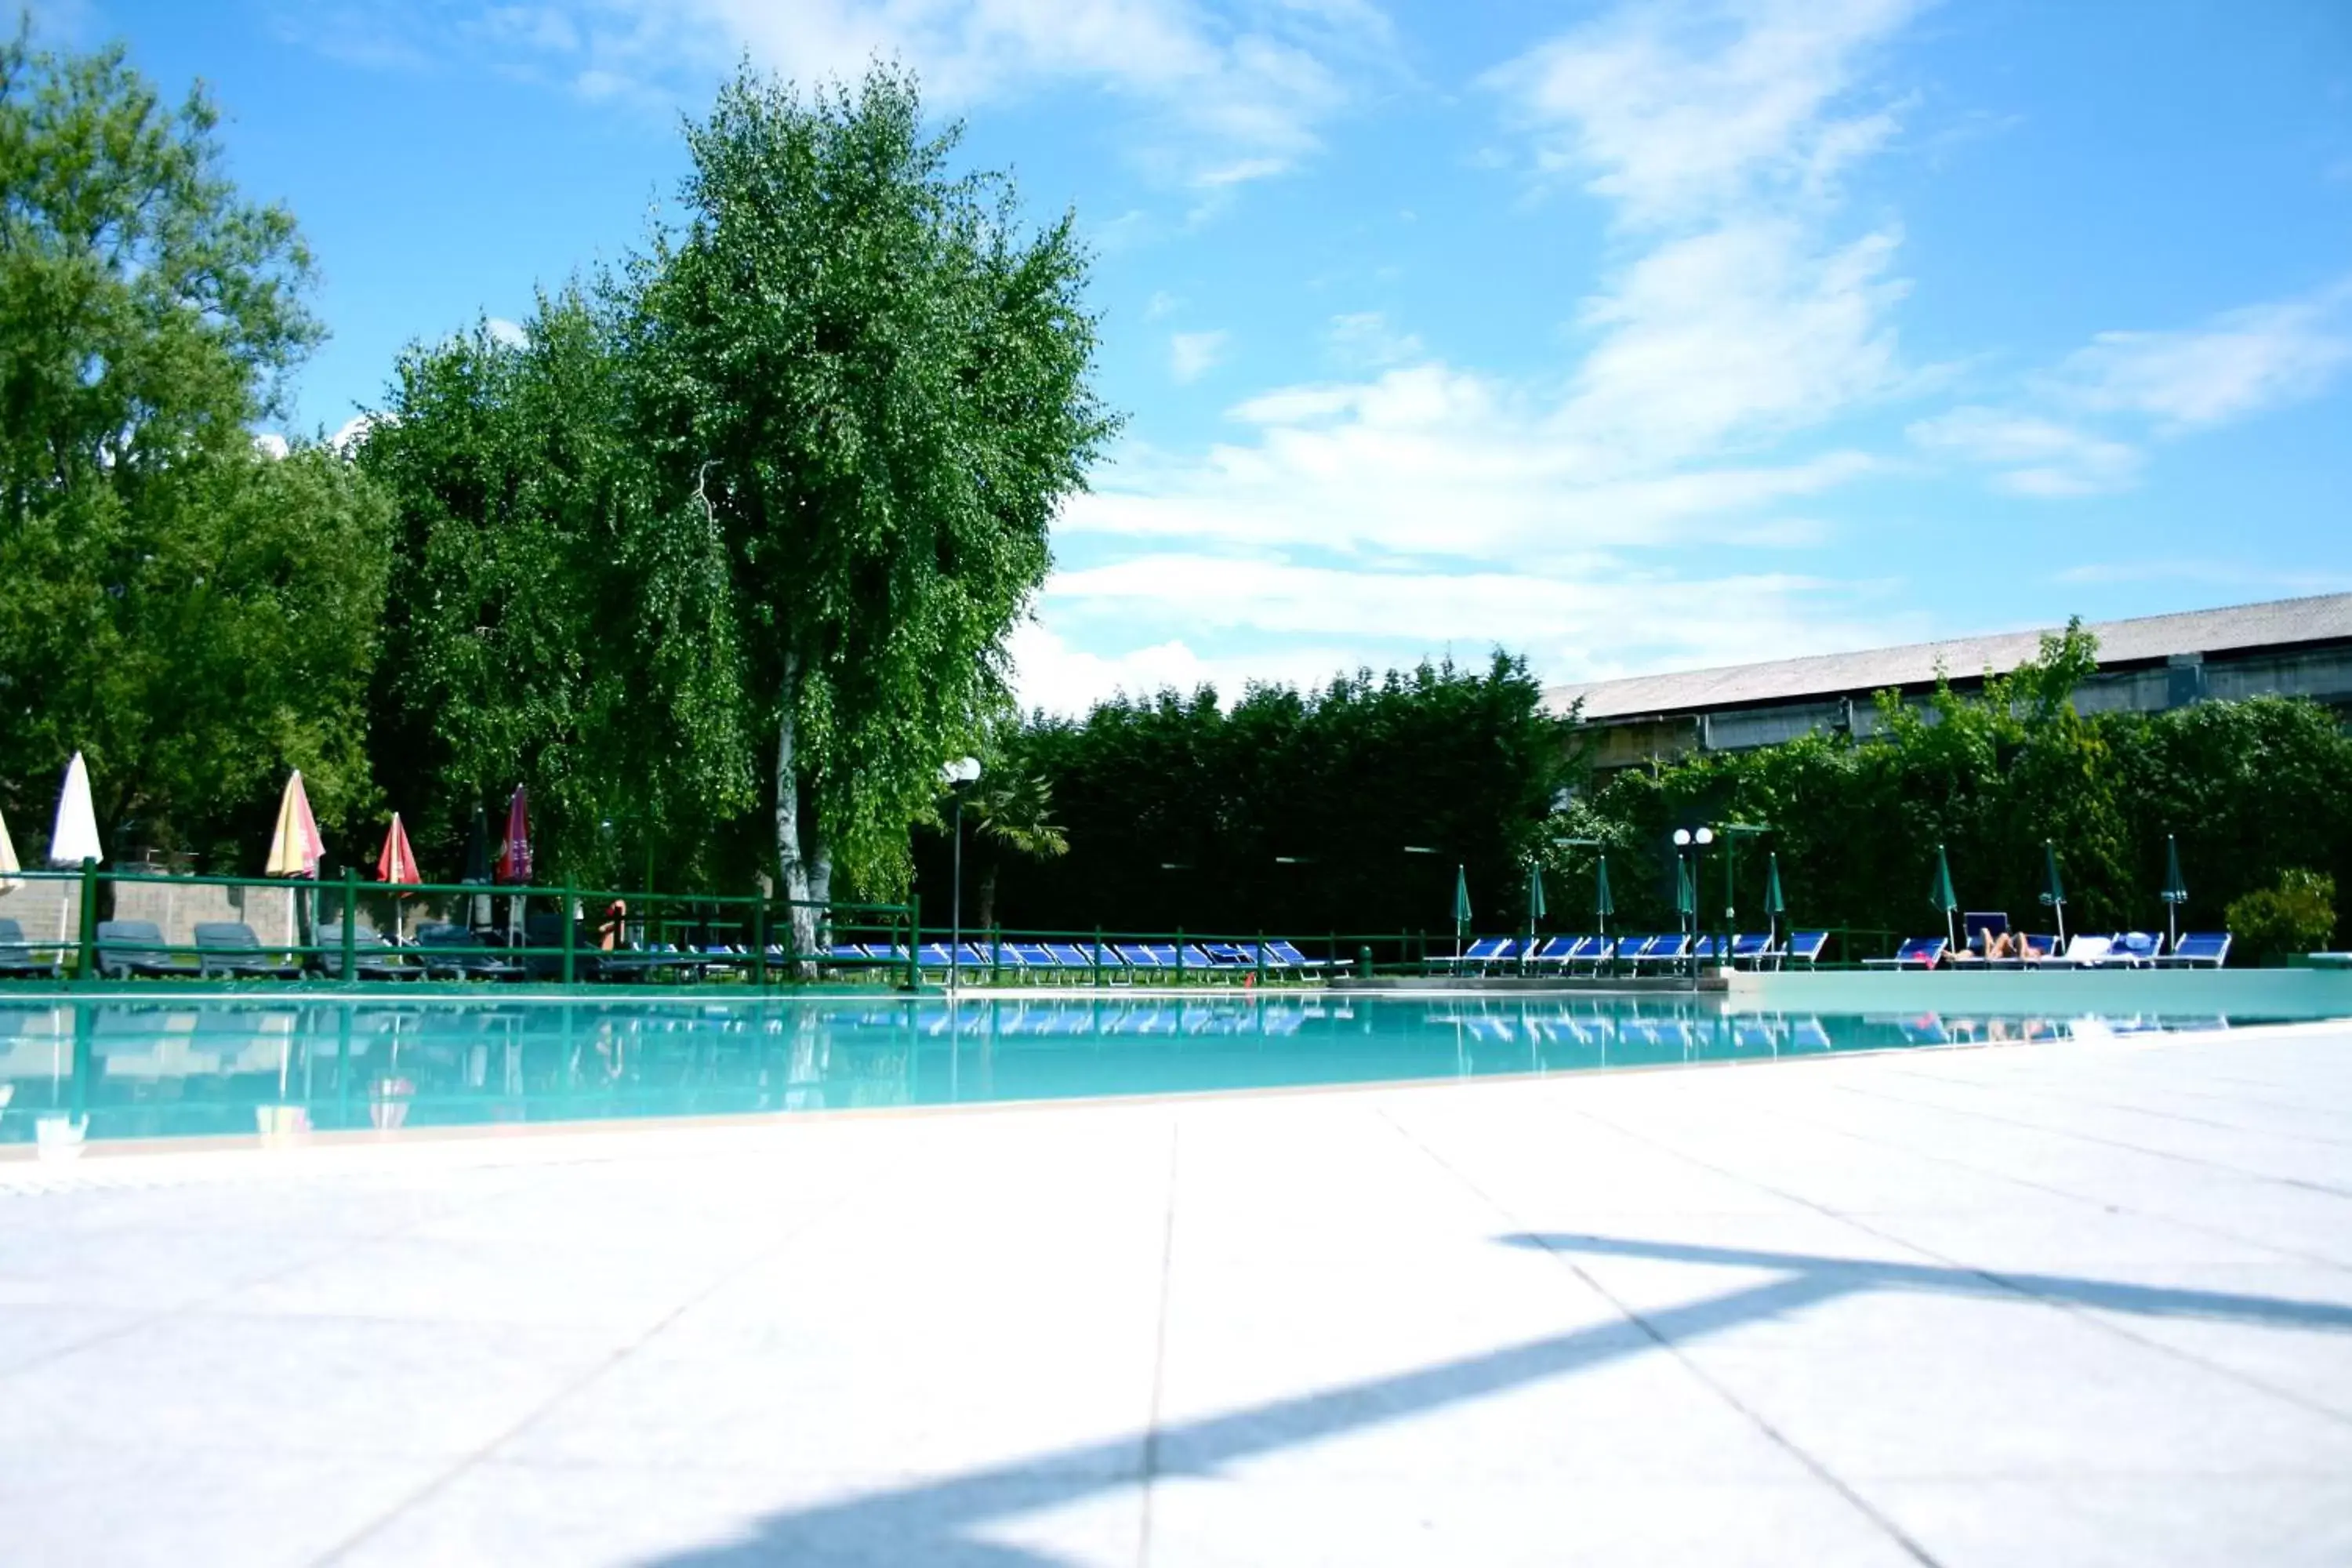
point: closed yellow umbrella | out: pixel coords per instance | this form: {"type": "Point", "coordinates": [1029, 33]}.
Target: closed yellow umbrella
{"type": "Point", "coordinates": [295, 849]}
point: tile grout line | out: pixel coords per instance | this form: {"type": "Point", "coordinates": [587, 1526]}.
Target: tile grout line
{"type": "Point", "coordinates": [1755, 1418]}
{"type": "Point", "coordinates": [1841, 1129]}
{"type": "Point", "coordinates": [2128, 1146]}
{"type": "Point", "coordinates": [1159, 1351]}
{"type": "Point", "coordinates": [209, 1304]}
{"type": "Point", "coordinates": [2085, 1315]}
{"type": "Point", "coordinates": [2045, 1092]}
{"type": "Point", "coordinates": [849, 1194]}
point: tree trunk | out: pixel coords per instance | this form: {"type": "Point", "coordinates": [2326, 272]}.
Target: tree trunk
{"type": "Point", "coordinates": [820, 880]}
{"type": "Point", "coordinates": [792, 864]}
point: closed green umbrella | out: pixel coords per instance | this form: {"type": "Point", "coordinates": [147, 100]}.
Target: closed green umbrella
{"type": "Point", "coordinates": [2176, 892]}
{"type": "Point", "coordinates": [1775, 904]}
{"type": "Point", "coordinates": [1686, 893]}
{"type": "Point", "coordinates": [1461, 906]}
{"type": "Point", "coordinates": [1536, 910]}
{"type": "Point", "coordinates": [2054, 891]}
{"type": "Point", "coordinates": [1941, 894]}
{"type": "Point", "coordinates": [1603, 903]}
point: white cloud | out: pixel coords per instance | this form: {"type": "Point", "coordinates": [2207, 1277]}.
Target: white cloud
{"type": "Point", "coordinates": [2033, 456]}
{"type": "Point", "coordinates": [1676, 111]}
{"type": "Point", "coordinates": [270, 443]}
{"type": "Point", "coordinates": [2160, 385]}
{"type": "Point", "coordinates": [354, 431]}
{"type": "Point", "coordinates": [2239, 362]}
{"type": "Point", "coordinates": [1309, 623]}
{"type": "Point", "coordinates": [1220, 93]}
{"type": "Point", "coordinates": [1191, 355]}
{"type": "Point", "coordinates": [506, 333]}
{"type": "Point", "coordinates": [1365, 340]}
{"type": "Point", "coordinates": [1746, 330]}
{"type": "Point", "coordinates": [1416, 505]}
{"type": "Point", "coordinates": [1052, 674]}
{"type": "Point", "coordinates": [1161, 304]}
{"type": "Point", "coordinates": [1431, 462]}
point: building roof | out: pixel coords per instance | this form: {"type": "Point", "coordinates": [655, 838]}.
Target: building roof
{"type": "Point", "coordinates": [2326, 617]}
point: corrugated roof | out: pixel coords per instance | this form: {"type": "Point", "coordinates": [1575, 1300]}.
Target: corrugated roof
{"type": "Point", "coordinates": [2321, 618]}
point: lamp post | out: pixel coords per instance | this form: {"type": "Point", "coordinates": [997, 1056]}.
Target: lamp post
{"type": "Point", "coordinates": [1692, 844]}
{"type": "Point", "coordinates": [957, 775]}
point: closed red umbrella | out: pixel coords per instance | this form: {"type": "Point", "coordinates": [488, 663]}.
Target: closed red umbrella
{"type": "Point", "coordinates": [396, 863]}
{"type": "Point", "coordinates": [514, 849]}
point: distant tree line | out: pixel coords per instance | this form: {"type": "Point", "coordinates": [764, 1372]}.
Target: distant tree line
{"type": "Point", "coordinates": [2250, 790]}
{"type": "Point", "coordinates": [1348, 807]}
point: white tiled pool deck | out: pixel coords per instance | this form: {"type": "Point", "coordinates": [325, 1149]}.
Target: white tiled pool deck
{"type": "Point", "coordinates": [2071, 1303]}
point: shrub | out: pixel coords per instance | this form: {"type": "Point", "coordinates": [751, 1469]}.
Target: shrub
{"type": "Point", "coordinates": [2297, 916]}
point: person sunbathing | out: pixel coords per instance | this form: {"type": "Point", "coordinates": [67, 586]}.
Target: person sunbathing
{"type": "Point", "coordinates": [614, 925]}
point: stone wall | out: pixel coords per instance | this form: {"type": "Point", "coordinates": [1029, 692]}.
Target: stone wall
{"type": "Point", "coordinates": [48, 910]}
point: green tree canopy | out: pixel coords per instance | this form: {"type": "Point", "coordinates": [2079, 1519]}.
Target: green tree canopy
{"type": "Point", "coordinates": [881, 383]}
{"type": "Point", "coordinates": [550, 623]}
{"type": "Point", "coordinates": [1297, 810]}
{"type": "Point", "coordinates": [195, 616]}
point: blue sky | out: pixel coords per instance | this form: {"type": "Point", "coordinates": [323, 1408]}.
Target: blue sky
{"type": "Point", "coordinates": [1628, 336]}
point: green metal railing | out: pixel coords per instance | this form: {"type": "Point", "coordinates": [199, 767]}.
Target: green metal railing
{"type": "Point", "coordinates": [749, 938]}
{"type": "Point", "coordinates": [764, 927]}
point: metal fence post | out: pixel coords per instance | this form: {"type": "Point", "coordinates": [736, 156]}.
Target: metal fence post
{"type": "Point", "coordinates": [571, 933]}
{"type": "Point", "coordinates": [915, 943]}
{"type": "Point", "coordinates": [759, 943]}
{"type": "Point", "coordinates": [1098, 979]}
{"type": "Point", "coordinates": [86, 963]}
{"type": "Point", "coordinates": [1261, 956]}
{"type": "Point", "coordinates": [350, 917]}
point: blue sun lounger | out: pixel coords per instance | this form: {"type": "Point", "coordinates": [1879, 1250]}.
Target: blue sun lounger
{"type": "Point", "coordinates": [1554, 951]}
{"type": "Point", "coordinates": [1482, 952]}
{"type": "Point", "coordinates": [17, 960]}
{"type": "Point", "coordinates": [2197, 950]}
{"type": "Point", "coordinates": [1668, 947]}
{"type": "Point", "coordinates": [1294, 959]}
{"type": "Point", "coordinates": [1917, 952]}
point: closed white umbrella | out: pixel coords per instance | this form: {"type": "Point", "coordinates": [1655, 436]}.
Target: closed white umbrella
{"type": "Point", "coordinates": [295, 849]}
{"type": "Point", "coordinates": [74, 839]}
{"type": "Point", "coordinates": [9, 864]}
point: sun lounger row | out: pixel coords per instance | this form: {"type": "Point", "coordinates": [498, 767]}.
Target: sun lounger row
{"type": "Point", "coordinates": [2128, 949]}
{"type": "Point", "coordinates": [230, 950]}
{"type": "Point", "coordinates": [1120, 960]}
{"type": "Point", "coordinates": [1570, 954]}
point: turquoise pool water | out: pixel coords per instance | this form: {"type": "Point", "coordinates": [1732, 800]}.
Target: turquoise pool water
{"type": "Point", "coordinates": [167, 1068]}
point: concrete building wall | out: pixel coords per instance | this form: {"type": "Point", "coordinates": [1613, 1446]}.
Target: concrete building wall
{"type": "Point", "coordinates": [2320, 674]}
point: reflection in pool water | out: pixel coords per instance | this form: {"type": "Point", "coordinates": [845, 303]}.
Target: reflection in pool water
{"type": "Point", "coordinates": [274, 1068]}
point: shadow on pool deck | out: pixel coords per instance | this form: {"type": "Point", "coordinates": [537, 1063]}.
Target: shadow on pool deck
{"type": "Point", "coordinates": [926, 1523]}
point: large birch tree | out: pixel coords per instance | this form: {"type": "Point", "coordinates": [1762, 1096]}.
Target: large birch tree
{"type": "Point", "coordinates": [879, 383]}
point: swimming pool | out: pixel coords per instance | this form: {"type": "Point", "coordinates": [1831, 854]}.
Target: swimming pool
{"type": "Point", "coordinates": [170, 1067]}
